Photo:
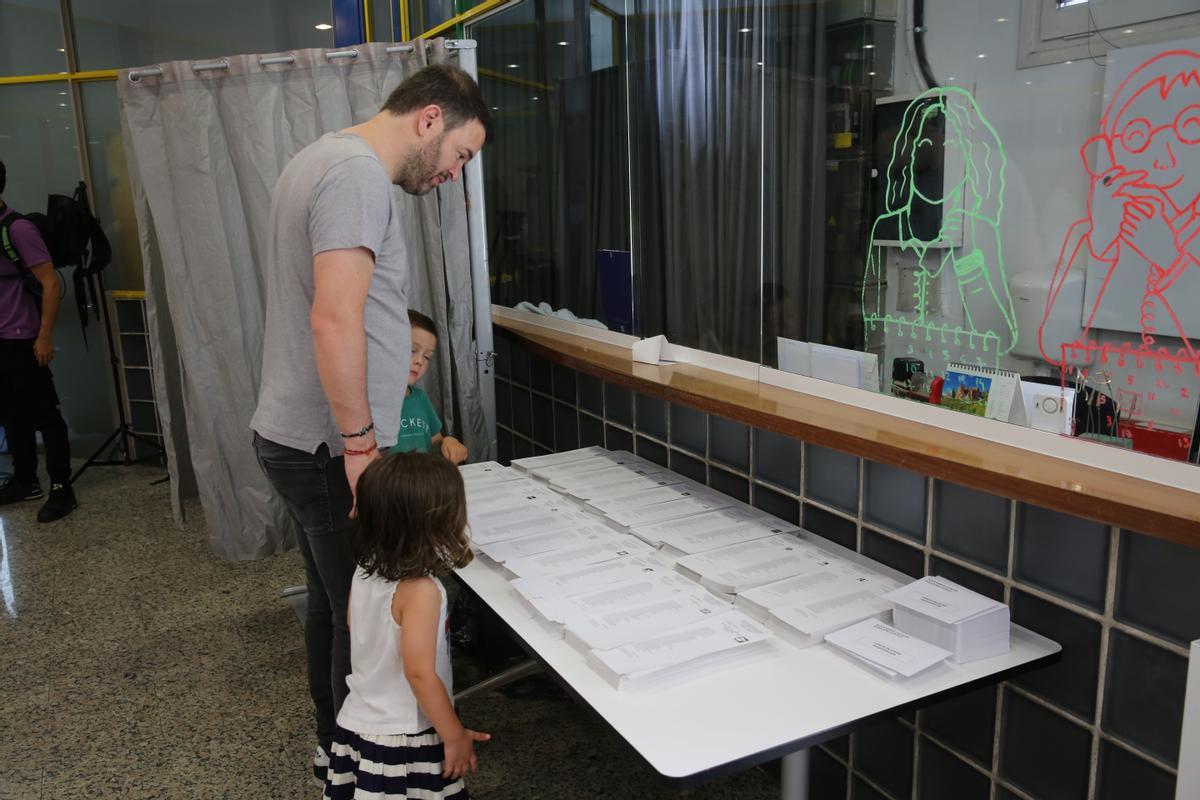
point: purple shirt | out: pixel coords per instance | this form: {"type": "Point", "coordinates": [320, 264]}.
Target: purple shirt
{"type": "Point", "coordinates": [19, 317]}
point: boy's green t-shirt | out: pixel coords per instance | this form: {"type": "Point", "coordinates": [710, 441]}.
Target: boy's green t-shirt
{"type": "Point", "coordinates": [419, 423]}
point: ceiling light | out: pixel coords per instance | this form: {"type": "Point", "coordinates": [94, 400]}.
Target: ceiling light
{"type": "Point", "coordinates": [563, 44]}
{"type": "Point", "coordinates": [760, 63]}
{"type": "Point", "coordinates": [744, 30]}
{"type": "Point", "coordinates": [870, 73]}
{"type": "Point", "coordinates": [323, 26]}
{"type": "Point", "coordinates": [868, 47]}
{"type": "Point", "coordinates": [1127, 30]}
{"type": "Point", "coordinates": [1001, 19]}
{"type": "Point", "coordinates": [62, 49]}
{"type": "Point", "coordinates": [1029, 83]}
{"type": "Point", "coordinates": [535, 97]}
{"type": "Point", "coordinates": [62, 105]}
{"type": "Point", "coordinates": [982, 55]}
{"type": "Point", "coordinates": [495, 108]}
{"type": "Point", "coordinates": [513, 66]}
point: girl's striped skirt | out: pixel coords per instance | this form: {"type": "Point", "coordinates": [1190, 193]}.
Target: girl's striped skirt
{"type": "Point", "coordinates": [370, 767]}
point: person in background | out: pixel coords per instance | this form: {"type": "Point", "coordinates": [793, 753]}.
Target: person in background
{"type": "Point", "coordinates": [420, 426]}
{"type": "Point", "coordinates": [28, 400]}
{"type": "Point", "coordinates": [397, 733]}
{"type": "Point", "coordinates": [336, 336]}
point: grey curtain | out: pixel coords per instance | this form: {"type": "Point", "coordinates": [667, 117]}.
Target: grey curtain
{"type": "Point", "coordinates": [205, 149]}
{"type": "Point", "coordinates": [722, 102]}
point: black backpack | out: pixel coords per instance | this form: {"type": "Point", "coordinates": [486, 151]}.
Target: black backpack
{"type": "Point", "coordinates": [74, 238]}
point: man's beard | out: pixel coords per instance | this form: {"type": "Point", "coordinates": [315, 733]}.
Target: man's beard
{"type": "Point", "coordinates": [420, 168]}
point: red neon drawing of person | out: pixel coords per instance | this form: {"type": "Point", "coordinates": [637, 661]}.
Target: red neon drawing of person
{"type": "Point", "coordinates": [1143, 222]}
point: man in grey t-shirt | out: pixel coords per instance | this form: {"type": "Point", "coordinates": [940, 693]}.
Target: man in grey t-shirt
{"type": "Point", "coordinates": [336, 348]}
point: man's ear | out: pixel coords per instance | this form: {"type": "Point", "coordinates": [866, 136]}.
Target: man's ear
{"type": "Point", "coordinates": [429, 119]}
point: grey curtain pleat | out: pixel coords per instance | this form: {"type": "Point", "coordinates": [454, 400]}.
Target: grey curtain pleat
{"type": "Point", "coordinates": [206, 149]}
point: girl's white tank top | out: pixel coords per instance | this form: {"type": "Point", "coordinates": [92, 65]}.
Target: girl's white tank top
{"type": "Point", "coordinates": [381, 701]}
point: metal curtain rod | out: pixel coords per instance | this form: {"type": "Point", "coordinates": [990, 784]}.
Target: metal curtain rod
{"type": "Point", "coordinates": [201, 66]}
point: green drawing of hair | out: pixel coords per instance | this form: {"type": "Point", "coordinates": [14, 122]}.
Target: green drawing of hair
{"type": "Point", "coordinates": [970, 207]}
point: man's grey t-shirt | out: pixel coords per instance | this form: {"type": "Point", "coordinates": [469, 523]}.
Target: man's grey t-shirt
{"type": "Point", "coordinates": [335, 194]}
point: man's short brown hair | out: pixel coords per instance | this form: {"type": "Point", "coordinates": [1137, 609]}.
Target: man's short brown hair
{"type": "Point", "coordinates": [449, 88]}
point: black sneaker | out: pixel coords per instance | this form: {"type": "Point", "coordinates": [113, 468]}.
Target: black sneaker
{"type": "Point", "coordinates": [60, 503]}
{"type": "Point", "coordinates": [14, 491]}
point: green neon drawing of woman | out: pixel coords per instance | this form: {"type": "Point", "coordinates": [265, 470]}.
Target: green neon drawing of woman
{"type": "Point", "coordinates": [970, 212]}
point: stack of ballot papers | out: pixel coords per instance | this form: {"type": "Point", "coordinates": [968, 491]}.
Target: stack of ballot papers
{"type": "Point", "coordinates": [526, 520]}
{"type": "Point", "coordinates": [569, 538]}
{"type": "Point", "coordinates": [643, 620]}
{"type": "Point", "coordinates": [886, 649]}
{"type": "Point", "coordinates": [583, 477]}
{"type": "Point", "coordinates": [642, 516]}
{"type": "Point", "coordinates": [734, 569]}
{"type": "Point", "coordinates": [577, 557]}
{"type": "Point", "coordinates": [535, 463]}
{"type": "Point", "coordinates": [940, 611]}
{"type": "Point", "coordinates": [672, 655]}
{"type": "Point", "coordinates": [558, 596]}
{"type": "Point", "coordinates": [486, 472]}
{"type": "Point", "coordinates": [647, 497]}
{"type": "Point", "coordinates": [623, 484]}
{"type": "Point", "coordinates": [802, 609]}
{"type": "Point", "coordinates": [713, 529]}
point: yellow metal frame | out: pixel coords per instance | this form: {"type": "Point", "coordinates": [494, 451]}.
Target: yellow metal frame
{"type": "Point", "coordinates": [404, 32]}
{"type": "Point", "coordinates": [75, 77]}
{"type": "Point", "coordinates": [366, 6]}
{"type": "Point", "coordinates": [466, 16]}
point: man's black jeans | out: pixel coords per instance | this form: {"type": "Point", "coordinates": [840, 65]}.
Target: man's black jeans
{"type": "Point", "coordinates": [314, 489]}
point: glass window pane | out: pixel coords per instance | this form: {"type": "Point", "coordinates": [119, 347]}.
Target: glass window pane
{"type": "Point", "coordinates": [556, 174]}
{"type": "Point", "coordinates": [31, 41]}
{"type": "Point", "coordinates": [37, 146]}
{"type": "Point", "coordinates": [381, 21]}
{"type": "Point", "coordinates": [138, 32]}
{"type": "Point", "coordinates": [604, 38]}
{"type": "Point", "coordinates": [428, 14]}
{"type": "Point", "coordinates": [112, 198]}
{"type": "Point", "coordinates": [696, 168]}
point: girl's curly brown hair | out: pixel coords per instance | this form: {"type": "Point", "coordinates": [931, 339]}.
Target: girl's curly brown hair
{"type": "Point", "coordinates": [412, 518]}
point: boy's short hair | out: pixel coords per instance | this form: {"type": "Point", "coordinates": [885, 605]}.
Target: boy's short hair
{"type": "Point", "coordinates": [449, 88]}
{"type": "Point", "coordinates": [421, 322]}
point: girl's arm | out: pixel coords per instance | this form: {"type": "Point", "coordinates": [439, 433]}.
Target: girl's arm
{"type": "Point", "coordinates": [416, 607]}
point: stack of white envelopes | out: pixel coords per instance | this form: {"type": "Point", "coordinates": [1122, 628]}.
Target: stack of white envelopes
{"type": "Point", "coordinates": [945, 614]}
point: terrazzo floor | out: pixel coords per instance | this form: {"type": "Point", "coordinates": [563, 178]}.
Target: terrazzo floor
{"type": "Point", "coordinates": [134, 664]}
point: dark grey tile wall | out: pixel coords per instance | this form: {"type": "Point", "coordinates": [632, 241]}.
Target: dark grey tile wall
{"type": "Point", "coordinates": [1069, 730]}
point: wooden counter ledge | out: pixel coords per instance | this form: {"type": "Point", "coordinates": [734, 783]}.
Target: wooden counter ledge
{"type": "Point", "coordinates": [1046, 480]}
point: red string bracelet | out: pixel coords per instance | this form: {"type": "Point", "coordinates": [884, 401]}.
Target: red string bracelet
{"type": "Point", "coordinates": [374, 446]}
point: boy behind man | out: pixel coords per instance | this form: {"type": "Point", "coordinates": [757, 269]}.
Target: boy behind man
{"type": "Point", "coordinates": [420, 427]}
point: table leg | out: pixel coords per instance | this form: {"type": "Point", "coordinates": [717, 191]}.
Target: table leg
{"type": "Point", "coordinates": [522, 670]}
{"type": "Point", "coordinates": [795, 776]}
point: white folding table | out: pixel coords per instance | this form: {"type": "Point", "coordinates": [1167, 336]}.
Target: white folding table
{"type": "Point", "coordinates": [776, 703]}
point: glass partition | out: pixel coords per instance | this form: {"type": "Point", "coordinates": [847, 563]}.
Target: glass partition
{"type": "Point", "coordinates": [938, 214]}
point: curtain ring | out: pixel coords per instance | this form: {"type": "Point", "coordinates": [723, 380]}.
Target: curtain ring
{"type": "Point", "coordinates": [351, 53]}
{"type": "Point", "coordinates": [136, 75]}
{"type": "Point", "coordinates": [266, 62]}
{"type": "Point", "coordinates": [204, 66]}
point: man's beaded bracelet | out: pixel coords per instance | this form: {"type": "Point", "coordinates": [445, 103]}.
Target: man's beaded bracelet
{"type": "Point", "coordinates": [363, 431]}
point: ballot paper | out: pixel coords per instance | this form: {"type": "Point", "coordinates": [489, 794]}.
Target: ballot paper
{"type": "Point", "coordinates": [609, 460]}
{"type": "Point", "coordinates": [585, 579]}
{"type": "Point", "coordinates": [702, 539]}
{"type": "Point", "coordinates": [660, 533]}
{"type": "Point", "coordinates": [841, 578]}
{"type": "Point", "coordinates": [669, 655]}
{"type": "Point", "coordinates": [647, 587]}
{"type": "Point", "coordinates": [577, 557]}
{"type": "Point", "coordinates": [560, 539]}
{"type": "Point", "coordinates": [805, 624]}
{"type": "Point", "coordinates": [648, 497]}
{"type": "Point", "coordinates": [887, 649]}
{"type": "Point", "coordinates": [557, 459]}
{"type": "Point", "coordinates": [604, 473]}
{"type": "Point", "coordinates": [644, 620]}
{"type": "Point", "coordinates": [513, 523]}
{"type": "Point", "coordinates": [672, 509]}
{"type": "Point", "coordinates": [485, 472]}
{"type": "Point", "coordinates": [743, 566]}
{"type": "Point", "coordinates": [497, 494]}
{"type": "Point", "coordinates": [622, 485]}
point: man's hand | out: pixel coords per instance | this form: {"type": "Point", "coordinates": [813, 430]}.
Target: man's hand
{"type": "Point", "coordinates": [453, 450]}
{"type": "Point", "coordinates": [355, 466]}
{"type": "Point", "coordinates": [43, 350]}
{"type": "Point", "coordinates": [460, 754]}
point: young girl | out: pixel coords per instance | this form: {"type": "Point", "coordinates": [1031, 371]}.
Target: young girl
{"type": "Point", "coordinates": [397, 734]}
